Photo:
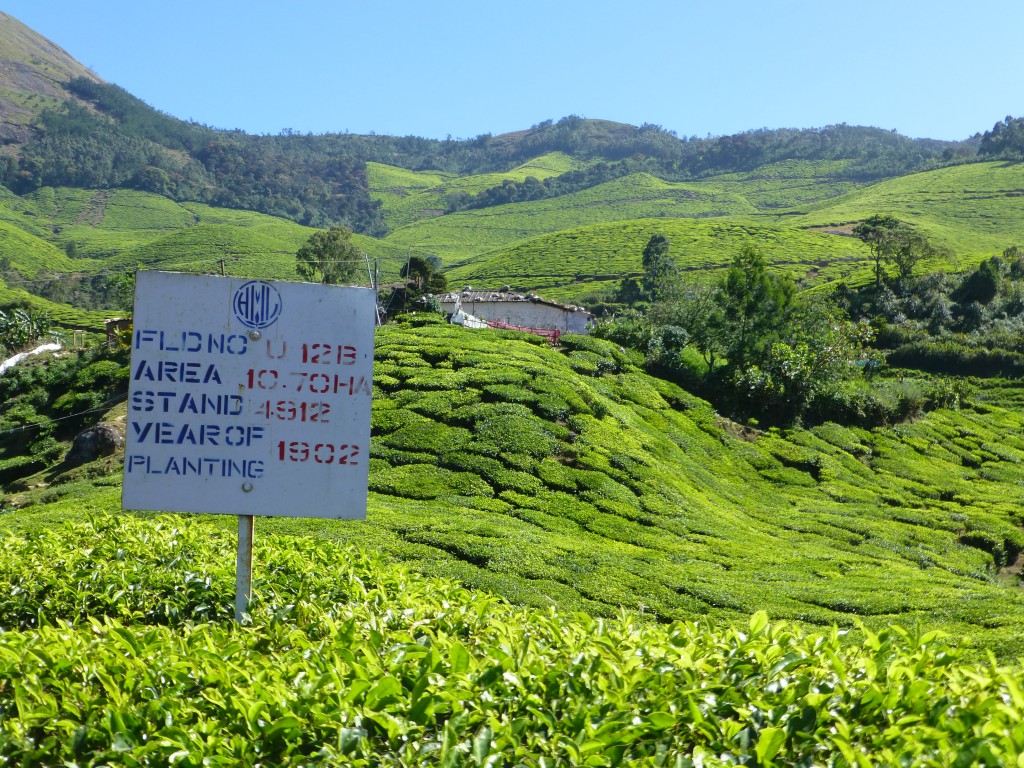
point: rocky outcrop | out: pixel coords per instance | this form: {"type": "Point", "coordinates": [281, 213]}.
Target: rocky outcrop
{"type": "Point", "coordinates": [94, 442]}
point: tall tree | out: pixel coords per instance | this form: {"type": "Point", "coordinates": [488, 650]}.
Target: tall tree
{"type": "Point", "coordinates": [755, 309]}
{"type": "Point", "coordinates": [329, 257]}
{"type": "Point", "coordinates": [1005, 139]}
{"type": "Point", "coordinates": [660, 270]}
{"type": "Point", "coordinates": [892, 240]}
{"type": "Point", "coordinates": [879, 234]}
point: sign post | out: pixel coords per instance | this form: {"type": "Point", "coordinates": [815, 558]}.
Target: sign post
{"type": "Point", "coordinates": [249, 398]}
{"type": "Point", "coordinates": [243, 566]}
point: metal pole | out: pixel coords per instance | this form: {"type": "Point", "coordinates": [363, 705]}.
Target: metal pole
{"type": "Point", "coordinates": [243, 566]}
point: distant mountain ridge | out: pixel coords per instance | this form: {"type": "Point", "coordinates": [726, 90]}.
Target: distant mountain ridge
{"type": "Point", "coordinates": [66, 127]}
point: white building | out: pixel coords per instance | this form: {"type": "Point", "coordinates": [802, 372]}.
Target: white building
{"type": "Point", "coordinates": [504, 309]}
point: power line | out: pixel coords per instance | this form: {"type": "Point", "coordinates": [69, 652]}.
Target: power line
{"type": "Point", "coordinates": [106, 405]}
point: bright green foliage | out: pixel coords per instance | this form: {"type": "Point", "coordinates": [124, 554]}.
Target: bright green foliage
{"type": "Point", "coordinates": [566, 263]}
{"type": "Point", "coordinates": [755, 307]}
{"type": "Point", "coordinates": [21, 327]}
{"type": "Point", "coordinates": [497, 462]}
{"type": "Point", "coordinates": [113, 231]}
{"type": "Point", "coordinates": [43, 400]}
{"type": "Point", "coordinates": [569, 475]}
{"type": "Point", "coordinates": [660, 270]}
{"type": "Point", "coordinates": [120, 653]}
{"type": "Point", "coordinates": [972, 209]}
{"type": "Point", "coordinates": [329, 257]}
{"type": "Point", "coordinates": [565, 247]}
{"type": "Point", "coordinates": [408, 196]}
{"type": "Point", "coordinates": [891, 240]}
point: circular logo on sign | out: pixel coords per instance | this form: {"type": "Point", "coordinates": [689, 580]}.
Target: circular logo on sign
{"type": "Point", "coordinates": [257, 304]}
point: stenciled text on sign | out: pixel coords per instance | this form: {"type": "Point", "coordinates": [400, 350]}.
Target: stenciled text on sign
{"type": "Point", "coordinates": [249, 397]}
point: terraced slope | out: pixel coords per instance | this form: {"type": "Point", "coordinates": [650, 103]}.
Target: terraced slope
{"type": "Point", "coordinates": [565, 247]}
{"type": "Point", "coordinates": [778, 187]}
{"type": "Point", "coordinates": [566, 264]}
{"type": "Point", "coordinates": [977, 209]}
{"type": "Point", "coordinates": [469, 233]}
{"type": "Point", "coordinates": [568, 477]}
{"type": "Point", "coordinates": [114, 229]}
{"type": "Point", "coordinates": [408, 196]}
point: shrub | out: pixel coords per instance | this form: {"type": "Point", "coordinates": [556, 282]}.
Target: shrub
{"type": "Point", "coordinates": [102, 374]}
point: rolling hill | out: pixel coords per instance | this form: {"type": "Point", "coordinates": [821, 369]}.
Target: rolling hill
{"type": "Point", "coordinates": [566, 559]}
{"type": "Point", "coordinates": [570, 478]}
{"type": "Point", "coordinates": [569, 247]}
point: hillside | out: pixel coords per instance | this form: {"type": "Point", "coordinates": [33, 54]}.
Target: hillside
{"type": "Point", "coordinates": [974, 209]}
{"type": "Point", "coordinates": [570, 247]}
{"type": "Point", "coordinates": [569, 558]}
{"type": "Point", "coordinates": [570, 263]}
{"type": "Point", "coordinates": [66, 128]}
{"type": "Point", "coordinates": [570, 478]}
{"type": "Point", "coordinates": [33, 77]}
{"type": "Point", "coordinates": [557, 208]}
{"type": "Point", "coordinates": [800, 218]}
{"type": "Point", "coordinates": [54, 243]}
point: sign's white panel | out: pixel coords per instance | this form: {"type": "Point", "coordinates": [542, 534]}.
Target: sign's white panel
{"type": "Point", "coordinates": [249, 397]}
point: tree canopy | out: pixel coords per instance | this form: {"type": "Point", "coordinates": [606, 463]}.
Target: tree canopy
{"type": "Point", "coordinates": [744, 340]}
{"type": "Point", "coordinates": [660, 270]}
{"type": "Point", "coordinates": [893, 241]}
{"type": "Point", "coordinates": [329, 257]}
{"type": "Point", "coordinates": [1006, 139]}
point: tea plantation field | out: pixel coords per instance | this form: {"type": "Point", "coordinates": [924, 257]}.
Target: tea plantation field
{"type": "Point", "coordinates": [119, 651]}
{"type": "Point", "coordinates": [567, 264]}
{"type": "Point", "coordinates": [408, 196]}
{"type": "Point", "coordinates": [973, 209]}
{"type": "Point", "coordinates": [570, 478]}
{"type": "Point", "coordinates": [565, 561]}
{"type": "Point", "coordinates": [55, 232]}
{"type": "Point", "coordinates": [569, 245]}
{"type": "Point", "coordinates": [566, 247]}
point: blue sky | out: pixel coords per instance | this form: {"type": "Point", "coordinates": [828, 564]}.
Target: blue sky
{"type": "Point", "coordinates": [938, 69]}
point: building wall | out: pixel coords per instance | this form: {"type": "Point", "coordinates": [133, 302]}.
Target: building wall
{"type": "Point", "coordinates": [526, 314]}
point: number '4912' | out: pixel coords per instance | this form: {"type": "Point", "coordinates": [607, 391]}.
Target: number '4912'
{"type": "Point", "coordinates": [290, 410]}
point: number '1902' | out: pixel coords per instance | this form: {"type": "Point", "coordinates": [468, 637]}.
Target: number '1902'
{"type": "Point", "coordinates": [319, 453]}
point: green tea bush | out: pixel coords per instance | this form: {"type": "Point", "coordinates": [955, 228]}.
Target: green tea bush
{"type": "Point", "coordinates": [76, 402]}
{"type": "Point", "coordinates": [422, 481]}
{"type": "Point", "coordinates": [428, 437]}
{"type": "Point", "coordinates": [511, 428]}
{"type": "Point", "coordinates": [102, 374]}
{"type": "Point", "coordinates": [125, 657]}
{"type": "Point", "coordinates": [957, 358]}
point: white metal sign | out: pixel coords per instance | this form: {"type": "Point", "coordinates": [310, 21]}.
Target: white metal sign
{"type": "Point", "coordinates": [249, 397]}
